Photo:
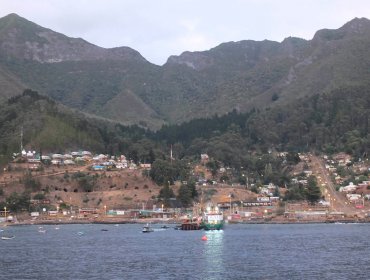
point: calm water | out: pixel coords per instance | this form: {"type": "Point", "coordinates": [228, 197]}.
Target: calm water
{"type": "Point", "coordinates": [327, 251]}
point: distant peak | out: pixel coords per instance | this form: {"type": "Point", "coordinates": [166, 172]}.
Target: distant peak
{"type": "Point", "coordinates": [357, 25]}
{"type": "Point", "coordinates": [15, 20]}
{"type": "Point", "coordinates": [12, 17]}
{"type": "Point", "coordinates": [353, 27]}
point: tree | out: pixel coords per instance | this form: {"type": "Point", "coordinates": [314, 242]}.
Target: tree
{"type": "Point", "coordinates": [193, 189]}
{"type": "Point", "coordinates": [16, 202]}
{"type": "Point", "coordinates": [185, 196]}
{"type": "Point", "coordinates": [151, 156]}
{"type": "Point", "coordinates": [165, 194]}
{"type": "Point", "coordinates": [295, 192]}
{"type": "Point", "coordinates": [313, 193]}
{"type": "Point", "coordinates": [161, 172]}
{"type": "Point", "coordinates": [213, 166]}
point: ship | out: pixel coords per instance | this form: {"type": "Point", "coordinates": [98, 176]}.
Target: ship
{"type": "Point", "coordinates": [213, 219]}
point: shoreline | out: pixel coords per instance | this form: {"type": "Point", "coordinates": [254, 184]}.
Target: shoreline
{"type": "Point", "coordinates": [176, 222]}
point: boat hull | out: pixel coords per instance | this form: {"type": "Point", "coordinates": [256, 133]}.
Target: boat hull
{"type": "Point", "coordinates": [217, 226]}
{"type": "Point", "coordinates": [191, 226]}
{"type": "Point", "coordinates": [7, 237]}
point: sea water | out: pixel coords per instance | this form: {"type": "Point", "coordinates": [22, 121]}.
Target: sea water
{"type": "Point", "coordinates": [265, 251]}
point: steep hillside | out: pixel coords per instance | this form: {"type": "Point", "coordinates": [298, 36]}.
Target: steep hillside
{"type": "Point", "coordinates": [250, 74]}
{"type": "Point", "coordinates": [46, 126]}
{"type": "Point", "coordinates": [74, 72]}
{"type": "Point", "coordinates": [121, 85]}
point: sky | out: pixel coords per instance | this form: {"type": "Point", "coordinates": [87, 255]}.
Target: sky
{"type": "Point", "coordinates": [161, 28]}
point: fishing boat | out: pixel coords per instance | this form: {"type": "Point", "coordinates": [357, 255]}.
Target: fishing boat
{"type": "Point", "coordinates": [213, 219]}
{"type": "Point", "coordinates": [147, 229]}
{"type": "Point", "coordinates": [7, 237]}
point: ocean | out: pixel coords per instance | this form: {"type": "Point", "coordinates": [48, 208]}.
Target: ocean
{"type": "Point", "coordinates": [243, 251]}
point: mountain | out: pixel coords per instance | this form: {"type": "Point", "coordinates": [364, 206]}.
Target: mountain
{"type": "Point", "coordinates": [247, 74]}
{"type": "Point", "coordinates": [73, 71]}
{"type": "Point", "coordinates": [119, 84]}
{"type": "Point", "coordinates": [25, 40]}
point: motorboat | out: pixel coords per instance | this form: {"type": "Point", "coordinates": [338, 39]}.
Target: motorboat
{"type": "Point", "coordinates": [7, 237]}
{"type": "Point", "coordinates": [147, 229]}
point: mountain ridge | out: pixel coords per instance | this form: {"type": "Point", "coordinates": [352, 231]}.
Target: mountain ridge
{"type": "Point", "coordinates": [120, 84]}
{"type": "Point", "coordinates": [47, 46]}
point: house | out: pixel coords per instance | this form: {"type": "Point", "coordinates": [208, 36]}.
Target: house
{"type": "Point", "coordinates": [204, 158]}
{"type": "Point", "coordinates": [34, 160]}
{"type": "Point", "coordinates": [47, 158]}
{"type": "Point", "coordinates": [57, 156]}
{"type": "Point", "coordinates": [69, 162]}
{"type": "Point", "coordinates": [120, 165]}
{"type": "Point", "coordinates": [350, 188]}
{"type": "Point", "coordinates": [67, 156]}
{"type": "Point", "coordinates": [146, 165]}
{"type": "Point", "coordinates": [56, 161]}
{"type": "Point", "coordinates": [98, 167]}
{"type": "Point", "coordinates": [86, 153]}
{"type": "Point", "coordinates": [76, 154]}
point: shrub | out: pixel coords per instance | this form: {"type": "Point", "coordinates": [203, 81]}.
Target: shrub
{"type": "Point", "coordinates": [39, 196]}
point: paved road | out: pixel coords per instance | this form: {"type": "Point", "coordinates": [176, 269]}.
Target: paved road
{"type": "Point", "coordinates": [337, 202]}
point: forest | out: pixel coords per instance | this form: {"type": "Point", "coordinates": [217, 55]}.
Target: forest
{"type": "Point", "coordinates": [248, 143]}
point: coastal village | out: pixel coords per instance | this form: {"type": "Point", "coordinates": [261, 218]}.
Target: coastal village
{"type": "Point", "coordinates": [126, 193]}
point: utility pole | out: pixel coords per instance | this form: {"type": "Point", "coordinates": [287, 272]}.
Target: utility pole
{"type": "Point", "coordinates": [171, 154]}
{"type": "Point", "coordinates": [21, 140]}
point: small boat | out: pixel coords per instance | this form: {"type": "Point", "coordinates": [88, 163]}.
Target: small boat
{"type": "Point", "coordinates": [165, 226]}
{"type": "Point", "coordinates": [7, 237]}
{"type": "Point", "coordinates": [42, 230]}
{"type": "Point", "coordinates": [80, 233]}
{"type": "Point", "coordinates": [147, 229]}
{"type": "Point", "coordinates": [178, 227]}
{"type": "Point", "coordinates": [104, 229]}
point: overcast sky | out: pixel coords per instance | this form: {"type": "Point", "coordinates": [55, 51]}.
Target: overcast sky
{"type": "Point", "coordinates": [160, 28]}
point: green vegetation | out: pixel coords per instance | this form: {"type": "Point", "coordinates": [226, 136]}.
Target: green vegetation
{"type": "Point", "coordinates": [187, 194]}
{"type": "Point", "coordinates": [39, 196]}
{"type": "Point", "coordinates": [166, 172]}
{"type": "Point", "coordinates": [165, 194]}
{"type": "Point", "coordinates": [17, 202]}
{"type": "Point", "coordinates": [313, 193]}
{"type": "Point", "coordinates": [85, 181]}
{"type": "Point", "coordinates": [122, 86]}
{"type": "Point", "coordinates": [30, 183]}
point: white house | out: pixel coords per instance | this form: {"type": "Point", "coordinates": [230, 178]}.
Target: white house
{"type": "Point", "coordinates": [350, 188]}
